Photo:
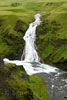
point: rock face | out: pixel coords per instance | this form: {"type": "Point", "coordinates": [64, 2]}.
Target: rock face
{"type": "Point", "coordinates": [65, 97]}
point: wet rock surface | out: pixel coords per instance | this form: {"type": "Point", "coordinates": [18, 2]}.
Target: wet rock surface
{"type": "Point", "coordinates": [56, 85]}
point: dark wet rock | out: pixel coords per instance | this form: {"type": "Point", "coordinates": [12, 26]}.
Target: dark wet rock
{"type": "Point", "coordinates": [19, 25]}
{"type": "Point", "coordinates": [55, 23]}
{"type": "Point", "coordinates": [28, 95]}
{"type": "Point", "coordinates": [7, 90]}
{"type": "Point", "coordinates": [1, 22]}
{"type": "Point", "coordinates": [3, 72]}
{"type": "Point", "coordinates": [56, 87]}
{"type": "Point", "coordinates": [65, 97]}
{"type": "Point", "coordinates": [62, 64]}
{"type": "Point", "coordinates": [49, 3]}
{"type": "Point", "coordinates": [25, 77]}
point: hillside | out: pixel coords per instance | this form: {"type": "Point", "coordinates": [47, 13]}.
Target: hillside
{"type": "Point", "coordinates": [15, 84]}
{"type": "Point", "coordinates": [52, 34]}
{"type": "Point", "coordinates": [15, 17]}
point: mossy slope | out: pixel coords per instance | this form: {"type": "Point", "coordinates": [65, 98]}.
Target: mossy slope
{"type": "Point", "coordinates": [52, 35]}
{"type": "Point", "coordinates": [12, 29]}
{"type": "Point", "coordinates": [15, 84]}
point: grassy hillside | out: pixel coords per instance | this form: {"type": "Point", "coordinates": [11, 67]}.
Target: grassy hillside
{"type": "Point", "coordinates": [11, 32]}
{"type": "Point", "coordinates": [15, 16]}
{"type": "Point", "coordinates": [15, 84]}
{"type": "Point", "coordinates": [52, 34]}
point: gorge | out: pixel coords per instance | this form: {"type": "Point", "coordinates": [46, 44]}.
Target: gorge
{"type": "Point", "coordinates": [56, 81]}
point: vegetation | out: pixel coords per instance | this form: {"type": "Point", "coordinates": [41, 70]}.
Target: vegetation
{"type": "Point", "coordinates": [38, 87]}
{"type": "Point", "coordinates": [15, 84]}
{"type": "Point", "coordinates": [51, 34]}
{"type": "Point", "coordinates": [10, 37]}
{"type": "Point", "coordinates": [15, 17]}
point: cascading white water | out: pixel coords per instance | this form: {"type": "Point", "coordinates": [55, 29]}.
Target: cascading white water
{"type": "Point", "coordinates": [56, 82]}
{"type": "Point", "coordinates": [30, 36]}
{"type": "Point", "coordinates": [31, 55]}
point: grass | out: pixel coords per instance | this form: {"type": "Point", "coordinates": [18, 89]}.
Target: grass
{"type": "Point", "coordinates": [24, 85]}
{"type": "Point", "coordinates": [51, 34]}
{"type": "Point", "coordinates": [15, 16]}
{"type": "Point", "coordinates": [10, 37]}
{"type": "Point", "coordinates": [38, 87]}
{"type": "Point", "coordinates": [53, 11]}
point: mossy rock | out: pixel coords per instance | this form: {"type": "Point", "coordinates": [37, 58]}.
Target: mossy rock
{"type": "Point", "coordinates": [15, 84]}
{"type": "Point", "coordinates": [12, 30]}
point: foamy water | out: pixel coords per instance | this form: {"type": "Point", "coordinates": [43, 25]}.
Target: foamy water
{"type": "Point", "coordinates": [55, 79]}
{"type": "Point", "coordinates": [30, 53]}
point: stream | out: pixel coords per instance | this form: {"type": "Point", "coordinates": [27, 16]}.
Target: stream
{"type": "Point", "coordinates": [55, 79]}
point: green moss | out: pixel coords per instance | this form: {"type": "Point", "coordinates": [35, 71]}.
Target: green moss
{"type": "Point", "coordinates": [26, 87]}
{"type": "Point", "coordinates": [3, 98]}
{"type": "Point", "coordinates": [53, 27]}
{"type": "Point", "coordinates": [51, 34]}
{"type": "Point", "coordinates": [15, 4]}
{"type": "Point", "coordinates": [12, 30]}
{"type": "Point", "coordinates": [20, 87]}
{"type": "Point", "coordinates": [59, 55]}
{"type": "Point", "coordinates": [15, 83]}
{"type": "Point", "coordinates": [38, 87]}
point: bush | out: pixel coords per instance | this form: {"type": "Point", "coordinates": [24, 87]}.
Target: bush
{"type": "Point", "coordinates": [15, 4]}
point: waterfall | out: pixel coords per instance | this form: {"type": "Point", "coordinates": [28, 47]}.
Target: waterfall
{"type": "Point", "coordinates": [31, 62]}
{"type": "Point", "coordinates": [55, 79]}
{"type": "Point", "coordinates": [30, 52]}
